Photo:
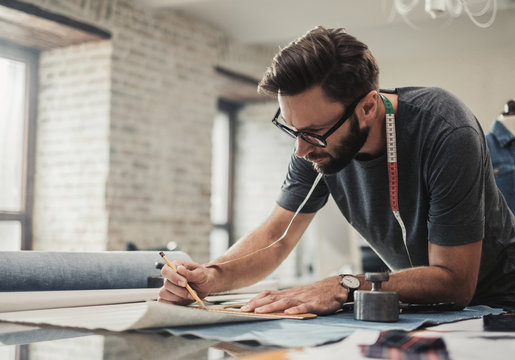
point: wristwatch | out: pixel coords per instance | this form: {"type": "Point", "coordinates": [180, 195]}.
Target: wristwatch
{"type": "Point", "coordinates": [351, 283]}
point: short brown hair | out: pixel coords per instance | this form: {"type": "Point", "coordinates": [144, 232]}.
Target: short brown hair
{"type": "Point", "coordinates": [342, 65]}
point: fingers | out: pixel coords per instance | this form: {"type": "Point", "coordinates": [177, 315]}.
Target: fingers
{"type": "Point", "coordinates": [170, 293]}
{"type": "Point", "coordinates": [269, 301]}
{"type": "Point", "coordinates": [174, 276]}
{"type": "Point", "coordinates": [276, 306]}
{"type": "Point", "coordinates": [193, 273]}
{"type": "Point", "coordinates": [189, 272]}
{"type": "Point", "coordinates": [186, 273]}
{"type": "Point", "coordinates": [174, 286]}
{"type": "Point", "coordinates": [299, 309]}
{"type": "Point", "coordinates": [318, 298]}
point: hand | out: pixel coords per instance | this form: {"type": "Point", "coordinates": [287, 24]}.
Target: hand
{"type": "Point", "coordinates": [322, 297]}
{"type": "Point", "coordinates": [174, 287]}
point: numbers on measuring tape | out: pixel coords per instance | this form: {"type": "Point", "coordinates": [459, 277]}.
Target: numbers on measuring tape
{"type": "Point", "coordinates": [393, 181]}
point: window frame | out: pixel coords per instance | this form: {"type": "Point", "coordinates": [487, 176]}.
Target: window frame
{"type": "Point", "coordinates": [230, 108]}
{"type": "Point", "coordinates": [31, 58]}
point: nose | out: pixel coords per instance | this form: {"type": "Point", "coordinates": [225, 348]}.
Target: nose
{"type": "Point", "coordinates": [302, 147]}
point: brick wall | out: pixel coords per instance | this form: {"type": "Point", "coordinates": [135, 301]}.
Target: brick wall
{"type": "Point", "coordinates": [163, 102]}
{"type": "Point", "coordinates": [72, 150]}
{"type": "Point", "coordinates": [137, 166]}
{"type": "Point", "coordinates": [247, 60]}
{"type": "Point", "coordinates": [154, 135]}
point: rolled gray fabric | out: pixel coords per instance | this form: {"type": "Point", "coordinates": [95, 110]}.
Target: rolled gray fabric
{"type": "Point", "coordinates": [45, 270]}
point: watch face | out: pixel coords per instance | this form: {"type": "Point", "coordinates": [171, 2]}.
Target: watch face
{"type": "Point", "coordinates": [350, 281]}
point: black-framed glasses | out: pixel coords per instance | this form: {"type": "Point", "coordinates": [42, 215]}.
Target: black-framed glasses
{"type": "Point", "coordinates": [315, 139]}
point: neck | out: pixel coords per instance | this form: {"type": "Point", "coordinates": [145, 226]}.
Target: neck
{"type": "Point", "coordinates": [509, 122]}
{"type": "Point", "coordinates": [376, 143]}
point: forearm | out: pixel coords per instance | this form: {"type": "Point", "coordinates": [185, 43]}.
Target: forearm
{"type": "Point", "coordinates": [450, 277]}
{"type": "Point", "coordinates": [250, 259]}
{"type": "Point", "coordinates": [242, 266]}
{"type": "Point", "coordinates": [427, 285]}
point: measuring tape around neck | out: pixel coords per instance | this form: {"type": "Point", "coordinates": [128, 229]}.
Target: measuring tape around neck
{"type": "Point", "coordinates": [393, 179]}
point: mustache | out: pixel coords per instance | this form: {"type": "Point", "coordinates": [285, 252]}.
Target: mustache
{"type": "Point", "coordinates": [313, 157]}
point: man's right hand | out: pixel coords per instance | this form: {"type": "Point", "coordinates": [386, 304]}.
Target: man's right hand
{"type": "Point", "coordinates": [234, 270]}
{"type": "Point", "coordinates": [174, 287]}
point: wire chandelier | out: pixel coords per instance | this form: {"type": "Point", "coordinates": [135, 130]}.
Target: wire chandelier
{"type": "Point", "coordinates": [481, 12]}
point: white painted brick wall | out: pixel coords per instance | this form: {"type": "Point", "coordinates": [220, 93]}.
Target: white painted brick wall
{"type": "Point", "coordinates": [164, 100]}
{"type": "Point", "coordinates": [243, 59]}
{"type": "Point", "coordinates": [142, 171]}
{"type": "Point", "coordinates": [72, 150]}
{"type": "Point", "coordinates": [126, 157]}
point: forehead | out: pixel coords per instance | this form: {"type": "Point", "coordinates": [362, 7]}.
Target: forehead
{"type": "Point", "coordinates": [309, 108]}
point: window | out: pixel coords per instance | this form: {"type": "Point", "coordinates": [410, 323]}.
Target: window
{"type": "Point", "coordinates": [222, 179]}
{"type": "Point", "coordinates": [18, 67]}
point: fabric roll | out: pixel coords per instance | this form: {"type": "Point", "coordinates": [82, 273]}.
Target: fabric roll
{"type": "Point", "coordinates": [44, 271]}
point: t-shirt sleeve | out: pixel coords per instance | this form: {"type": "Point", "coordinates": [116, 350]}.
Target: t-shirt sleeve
{"type": "Point", "coordinates": [456, 184]}
{"type": "Point", "coordinates": [299, 179]}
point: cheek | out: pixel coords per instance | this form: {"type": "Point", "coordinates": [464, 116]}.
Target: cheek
{"type": "Point", "coordinates": [330, 150]}
{"type": "Point", "coordinates": [325, 153]}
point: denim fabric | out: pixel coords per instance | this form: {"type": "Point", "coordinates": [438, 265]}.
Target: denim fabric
{"type": "Point", "coordinates": [292, 333]}
{"type": "Point", "coordinates": [42, 270]}
{"type": "Point", "coordinates": [502, 151]}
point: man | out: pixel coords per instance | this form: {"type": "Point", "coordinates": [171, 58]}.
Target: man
{"type": "Point", "coordinates": [459, 239]}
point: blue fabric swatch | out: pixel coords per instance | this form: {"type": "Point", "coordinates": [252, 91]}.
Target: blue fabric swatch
{"type": "Point", "coordinates": [323, 329]}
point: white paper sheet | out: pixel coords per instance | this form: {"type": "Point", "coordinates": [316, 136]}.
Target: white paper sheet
{"type": "Point", "coordinates": [32, 300]}
{"type": "Point", "coordinates": [131, 316]}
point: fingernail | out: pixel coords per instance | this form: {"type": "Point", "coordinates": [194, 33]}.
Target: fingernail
{"type": "Point", "coordinates": [182, 283]}
{"type": "Point", "coordinates": [245, 308]}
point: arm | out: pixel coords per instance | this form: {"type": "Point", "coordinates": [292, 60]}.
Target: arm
{"type": "Point", "coordinates": [256, 266]}
{"type": "Point", "coordinates": [450, 277]}
{"type": "Point", "coordinates": [220, 277]}
{"type": "Point", "coordinates": [455, 180]}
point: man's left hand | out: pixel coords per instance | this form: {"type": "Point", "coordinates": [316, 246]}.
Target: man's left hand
{"type": "Point", "coordinates": [322, 297]}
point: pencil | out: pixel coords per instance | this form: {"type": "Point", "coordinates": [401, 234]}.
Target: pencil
{"type": "Point", "coordinates": [188, 287]}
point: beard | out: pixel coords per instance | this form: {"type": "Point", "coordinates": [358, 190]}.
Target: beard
{"type": "Point", "coordinates": [345, 151]}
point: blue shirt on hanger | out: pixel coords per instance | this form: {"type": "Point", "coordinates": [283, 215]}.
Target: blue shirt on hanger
{"type": "Point", "coordinates": [501, 145]}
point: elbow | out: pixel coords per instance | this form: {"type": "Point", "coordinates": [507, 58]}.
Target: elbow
{"type": "Point", "coordinates": [457, 287]}
{"type": "Point", "coordinates": [462, 301]}
{"type": "Point", "coordinates": [463, 294]}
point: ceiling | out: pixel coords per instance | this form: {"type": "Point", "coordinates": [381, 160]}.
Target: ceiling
{"type": "Point", "coordinates": [276, 22]}
{"type": "Point", "coordinates": [32, 27]}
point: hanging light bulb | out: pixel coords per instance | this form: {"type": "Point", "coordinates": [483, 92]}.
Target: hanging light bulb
{"type": "Point", "coordinates": [435, 7]}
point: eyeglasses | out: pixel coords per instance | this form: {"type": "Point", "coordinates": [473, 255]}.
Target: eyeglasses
{"type": "Point", "coordinates": [315, 139]}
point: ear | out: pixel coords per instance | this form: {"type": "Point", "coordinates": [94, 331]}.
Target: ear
{"type": "Point", "coordinates": [368, 107]}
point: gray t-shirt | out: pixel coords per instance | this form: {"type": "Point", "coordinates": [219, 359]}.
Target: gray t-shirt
{"type": "Point", "coordinates": [447, 192]}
